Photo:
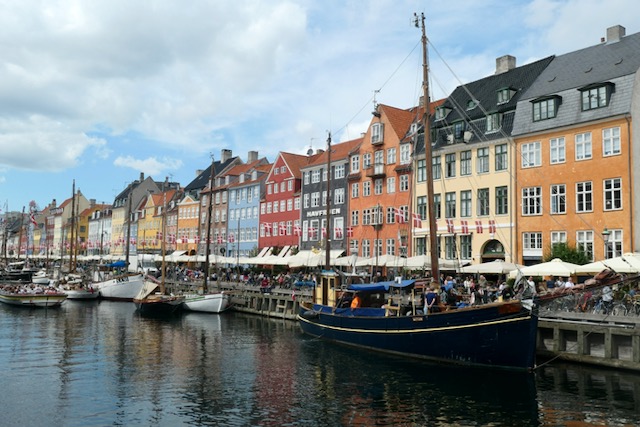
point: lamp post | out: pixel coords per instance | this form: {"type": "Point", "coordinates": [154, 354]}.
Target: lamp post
{"type": "Point", "coordinates": [605, 237]}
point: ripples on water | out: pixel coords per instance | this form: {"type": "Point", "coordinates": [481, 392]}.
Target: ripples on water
{"type": "Point", "coordinates": [99, 364]}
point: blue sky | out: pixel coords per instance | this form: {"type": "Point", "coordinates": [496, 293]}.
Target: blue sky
{"type": "Point", "coordinates": [101, 91]}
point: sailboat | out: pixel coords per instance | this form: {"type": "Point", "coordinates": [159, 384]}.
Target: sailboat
{"type": "Point", "coordinates": [121, 287]}
{"type": "Point", "coordinates": [214, 302]}
{"type": "Point", "coordinates": [153, 300]}
{"type": "Point", "coordinates": [391, 317]}
{"type": "Point", "coordinates": [72, 284]}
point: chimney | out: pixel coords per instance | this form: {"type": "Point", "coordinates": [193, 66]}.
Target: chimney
{"type": "Point", "coordinates": [614, 34]}
{"type": "Point", "coordinates": [54, 204]}
{"type": "Point", "coordinates": [505, 63]}
{"type": "Point", "coordinates": [92, 202]}
{"type": "Point", "coordinates": [141, 176]}
{"type": "Point", "coordinates": [225, 155]}
{"type": "Point", "coordinates": [319, 151]}
{"type": "Point", "coordinates": [198, 172]}
{"type": "Point", "coordinates": [252, 156]}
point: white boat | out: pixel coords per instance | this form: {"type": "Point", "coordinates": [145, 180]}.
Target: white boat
{"type": "Point", "coordinates": [120, 288]}
{"type": "Point", "coordinates": [40, 278]}
{"type": "Point", "coordinates": [208, 303]}
{"type": "Point", "coordinates": [13, 295]}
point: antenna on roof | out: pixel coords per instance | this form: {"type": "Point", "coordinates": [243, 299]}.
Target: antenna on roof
{"type": "Point", "coordinates": [310, 150]}
{"type": "Point", "coordinates": [375, 103]}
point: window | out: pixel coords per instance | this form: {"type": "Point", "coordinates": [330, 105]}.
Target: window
{"type": "Point", "coordinates": [557, 150]}
{"type": "Point", "coordinates": [450, 165]}
{"type": "Point", "coordinates": [324, 175]}
{"type": "Point", "coordinates": [355, 164]}
{"type": "Point", "coordinates": [404, 182]}
{"type": "Point", "coordinates": [377, 247]}
{"type": "Point", "coordinates": [458, 130]}
{"type": "Point", "coordinates": [584, 243]}
{"type": "Point", "coordinates": [558, 199]}
{"type": "Point", "coordinates": [450, 247]}
{"type": "Point", "coordinates": [289, 205]}
{"type": "Point", "coordinates": [437, 205]}
{"type": "Point", "coordinates": [584, 196]}
{"type": "Point", "coordinates": [531, 155]}
{"type": "Point", "coordinates": [315, 199]}
{"type": "Point", "coordinates": [437, 167]}
{"type": "Point", "coordinates": [471, 104]}
{"type": "Point", "coordinates": [422, 206]}
{"type": "Point", "coordinates": [391, 185]}
{"type": "Point", "coordinates": [483, 160]}
{"type": "Point", "coordinates": [483, 201]}
{"type": "Point", "coordinates": [366, 188]}
{"type": "Point", "coordinates": [290, 185]}
{"type": "Point", "coordinates": [366, 248]}
{"type": "Point", "coordinates": [493, 122]}
{"type": "Point", "coordinates": [391, 247]}
{"type": "Point", "coordinates": [465, 246]}
{"type": "Point", "coordinates": [502, 161]}
{"type": "Point", "coordinates": [613, 248]}
{"type": "Point", "coordinates": [532, 242]}
{"type": "Point", "coordinates": [465, 163]}
{"type": "Point", "coordinates": [377, 133]}
{"type": "Point", "coordinates": [441, 112]}
{"type": "Point", "coordinates": [377, 186]}
{"type": "Point", "coordinates": [355, 218]}
{"type": "Point", "coordinates": [611, 141]}
{"type": "Point", "coordinates": [353, 247]}
{"type": "Point", "coordinates": [531, 201]}
{"type": "Point", "coordinates": [296, 203]}
{"type": "Point", "coordinates": [338, 228]}
{"type": "Point", "coordinates": [612, 194]}
{"type": "Point", "coordinates": [391, 156]}
{"type": "Point", "coordinates": [465, 203]}
{"type": "Point", "coordinates": [502, 201]}
{"type": "Point", "coordinates": [405, 154]}
{"type": "Point", "coordinates": [583, 146]}
{"type": "Point", "coordinates": [558, 237]}
{"type": "Point", "coordinates": [366, 161]}
{"type": "Point", "coordinates": [391, 215]}
{"type": "Point", "coordinates": [339, 196]}
{"type": "Point", "coordinates": [339, 171]}
{"type": "Point", "coordinates": [421, 175]}
{"type": "Point", "coordinates": [355, 190]}
{"type": "Point", "coordinates": [595, 97]}
{"type": "Point", "coordinates": [315, 176]}
{"type": "Point", "coordinates": [545, 109]}
{"type": "Point", "coordinates": [378, 161]}
{"type": "Point", "coordinates": [504, 95]}
{"type": "Point", "coordinates": [450, 205]}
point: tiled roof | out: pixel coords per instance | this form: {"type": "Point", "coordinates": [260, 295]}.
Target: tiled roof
{"type": "Point", "coordinates": [338, 152]}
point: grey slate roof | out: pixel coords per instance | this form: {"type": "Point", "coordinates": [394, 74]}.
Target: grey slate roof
{"type": "Point", "coordinates": [615, 62]}
{"type": "Point", "coordinates": [202, 180]}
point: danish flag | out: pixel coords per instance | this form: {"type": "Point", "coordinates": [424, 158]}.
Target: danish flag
{"type": "Point", "coordinates": [197, 239]}
{"type": "Point", "coordinates": [479, 227]}
{"type": "Point", "coordinates": [465, 227]}
{"type": "Point", "coordinates": [417, 221]}
{"type": "Point", "coordinates": [324, 232]}
{"type": "Point", "coordinates": [339, 233]}
{"type": "Point", "coordinates": [282, 229]}
{"type": "Point", "coordinates": [219, 239]}
{"type": "Point", "coordinates": [400, 217]}
{"type": "Point", "coordinates": [232, 237]}
{"type": "Point", "coordinates": [450, 227]}
{"type": "Point", "coordinates": [296, 230]}
{"type": "Point", "coordinates": [349, 231]}
{"type": "Point", "coordinates": [492, 226]}
{"type": "Point", "coordinates": [267, 227]}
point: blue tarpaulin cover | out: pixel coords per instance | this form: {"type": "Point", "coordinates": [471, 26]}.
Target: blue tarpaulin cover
{"type": "Point", "coordinates": [117, 264]}
{"type": "Point", "coordinates": [381, 286]}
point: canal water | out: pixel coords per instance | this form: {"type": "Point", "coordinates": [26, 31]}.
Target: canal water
{"type": "Point", "coordinates": [100, 364]}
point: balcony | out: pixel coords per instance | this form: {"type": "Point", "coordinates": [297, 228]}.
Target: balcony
{"type": "Point", "coordinates": [377, 171]}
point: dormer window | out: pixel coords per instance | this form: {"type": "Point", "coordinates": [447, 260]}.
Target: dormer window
{"type": "Point", "coordinates": [441, 112]}
{"type": "Point", "coordinates": [493, 122]}
{"type": "Point", "coordinates": [545, 108]}
{"type": "Point", "coordinates": [254, 175]}
{"type": "Point", "coordinates": [458, 130]}
{"type": "Point", "coordinates": [471, 104]}
{"type": "Point", "coordinates": [377, 133]}
{"type": "Point", "coordinates": [596, 95]}
{"type": "Point", "coordinates": [241, 178]}
{"type": "Point", "coordinates": [505, 94]}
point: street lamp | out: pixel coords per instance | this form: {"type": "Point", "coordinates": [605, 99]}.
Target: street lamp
{"type": "Point", "coordinates": [605, 237]}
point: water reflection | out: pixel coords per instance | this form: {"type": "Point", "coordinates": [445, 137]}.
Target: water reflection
{"type": "Point", "coordinates": [101, 364]}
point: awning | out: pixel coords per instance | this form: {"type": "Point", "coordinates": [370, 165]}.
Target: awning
{"type": "Point", "coordinates": [381, 286]}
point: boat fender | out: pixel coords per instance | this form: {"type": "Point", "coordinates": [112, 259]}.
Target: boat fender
{"type": "Point", "coordinates": [309, 314]}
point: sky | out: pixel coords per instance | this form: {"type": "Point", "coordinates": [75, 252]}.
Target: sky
{"type": "Point", "coordinates": [101, 91]}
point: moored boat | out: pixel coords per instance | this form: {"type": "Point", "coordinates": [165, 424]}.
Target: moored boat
{"type": "Point", "coordinates": [76, 289]}
{"type": "Point", "coordinates": [31, 296]}
{"type": "Point", "coordinates": [123, 287]}
{"type": "Point", "coordinates": [151, 301]}
{"type": "Point", "coordinates": [208, 303]}
{"type": "Point", "coordinates": [501, 334]}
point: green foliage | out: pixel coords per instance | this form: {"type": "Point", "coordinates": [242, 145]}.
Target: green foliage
{"type": "Point", "coordinates": [566, 253]}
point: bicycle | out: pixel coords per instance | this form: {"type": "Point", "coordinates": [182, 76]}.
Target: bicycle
{"type": "Point", "coordinates": [602, 307]}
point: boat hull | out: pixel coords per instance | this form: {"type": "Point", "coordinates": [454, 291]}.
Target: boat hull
{"type": "Point", "coordinates": [499, 335]}
{"type": "Point", "coordinates": [208, 303]}
{"type": "Point", "coordinates": [38, 300]}
{"type": "Point", "coordinates": [123, 288]}
{"type": "Point", "coordinates": [82, 294]}
{"type": "Point", "coordinates": [159, 305]}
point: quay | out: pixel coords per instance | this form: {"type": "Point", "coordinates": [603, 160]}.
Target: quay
{"type": "Point", "coordinates": [602, 340]}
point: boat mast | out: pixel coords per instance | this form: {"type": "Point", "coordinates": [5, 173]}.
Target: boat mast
{"type": "Point", "coordinates": [327, 241]}
{"type": "Point", "coordinates": [126, 253]}
{"type": "Point", "coordinates": [71, 239]}
{"type": "Point", "coordinates": [433, 229]}
{"type": "Point", "coordinates": [208, 238]}
{"type": "Point", "coordinates": [20, 235]}
{"type": "Point", "coordinates": [164, 226]}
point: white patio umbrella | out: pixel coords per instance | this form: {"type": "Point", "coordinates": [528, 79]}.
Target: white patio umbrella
{"type": "Point", "coordinates": [626, 263]}
{"type": "Point", "coordinates": [555, 267]}
{"type": "Point", "coordinates": [492, 267]}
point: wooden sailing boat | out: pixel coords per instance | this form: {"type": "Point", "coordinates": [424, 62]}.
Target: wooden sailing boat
{"type": "Point", "coordinates": [72, 284]}
{"type": "Point", "coordinates": [389, 317]}
{"type": "Point", "coordinates": [153, 299]}
{"type": "Point", "coordinates": [214, 302]}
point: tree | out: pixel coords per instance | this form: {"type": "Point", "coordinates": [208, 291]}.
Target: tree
{"type": "Point", "coordinates": [566, 253]}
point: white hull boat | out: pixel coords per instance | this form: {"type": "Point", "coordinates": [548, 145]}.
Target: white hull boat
{"type": "Point", "coordinates": [49, 299]}
{"type": "Point", "coordinates": [121, 288]}
{"type": "Point", "coordinates": [208, 303]}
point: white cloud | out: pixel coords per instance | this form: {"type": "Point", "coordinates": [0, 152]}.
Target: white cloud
{"type": "Point", "coordinates": [150, 165]}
